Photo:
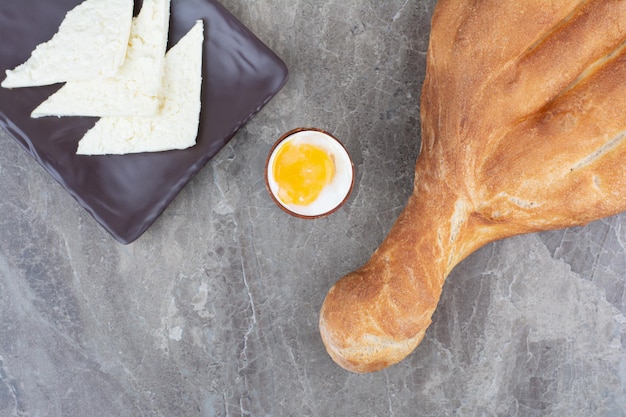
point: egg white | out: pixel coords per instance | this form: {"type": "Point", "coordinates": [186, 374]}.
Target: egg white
{"type": "Point", "coordinates": [336, 191]}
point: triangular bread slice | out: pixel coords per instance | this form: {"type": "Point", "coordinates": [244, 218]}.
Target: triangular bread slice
{"type": "Point", "coordinates": [90, 42]}
{"type": "Point", "coordinates": [176, 125]}
{"type": "Point", "coordinates": [136, 89]}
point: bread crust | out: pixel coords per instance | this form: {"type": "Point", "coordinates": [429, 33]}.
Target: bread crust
{"type": "Point", "coordinates": [523, 115]}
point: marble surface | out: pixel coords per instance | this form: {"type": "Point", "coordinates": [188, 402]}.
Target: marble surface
{"type": "Point", "coordinates": [213, 312]}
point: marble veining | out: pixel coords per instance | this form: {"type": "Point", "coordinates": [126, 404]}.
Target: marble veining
{"type": "Point", "coordinates": [213, 312]}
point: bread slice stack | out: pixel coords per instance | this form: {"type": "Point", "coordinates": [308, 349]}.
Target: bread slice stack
{"type": "Point", "coordinates": [114, 66]}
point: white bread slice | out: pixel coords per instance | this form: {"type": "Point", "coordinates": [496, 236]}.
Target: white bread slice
{"type": "Point", "coordinates": [136, 89]}
{"type": "Point", "coordinates": [90, 42]}
{"type": "Point", "coordinates": [176, 125]}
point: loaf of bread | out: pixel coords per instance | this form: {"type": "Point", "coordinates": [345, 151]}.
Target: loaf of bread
{"type": "Point", "coordinates": [523, 119]}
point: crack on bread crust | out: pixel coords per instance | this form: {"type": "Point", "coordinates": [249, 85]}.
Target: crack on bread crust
{"type": "Point", "coordinates": [609, 146]}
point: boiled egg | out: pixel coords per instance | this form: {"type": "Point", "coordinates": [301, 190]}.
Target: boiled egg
{"type": "Point", "coordinates": [309, 173]}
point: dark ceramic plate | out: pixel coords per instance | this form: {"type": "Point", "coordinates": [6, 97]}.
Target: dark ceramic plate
{"type": "Point", "coordinates": [126, 193]}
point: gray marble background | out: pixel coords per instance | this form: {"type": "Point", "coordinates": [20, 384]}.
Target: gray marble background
{"type": "Point", "coordinates": [213, 312]}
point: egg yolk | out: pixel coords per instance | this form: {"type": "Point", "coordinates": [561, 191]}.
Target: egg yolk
{"type": "Point", "coordinates": [301, 172]}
